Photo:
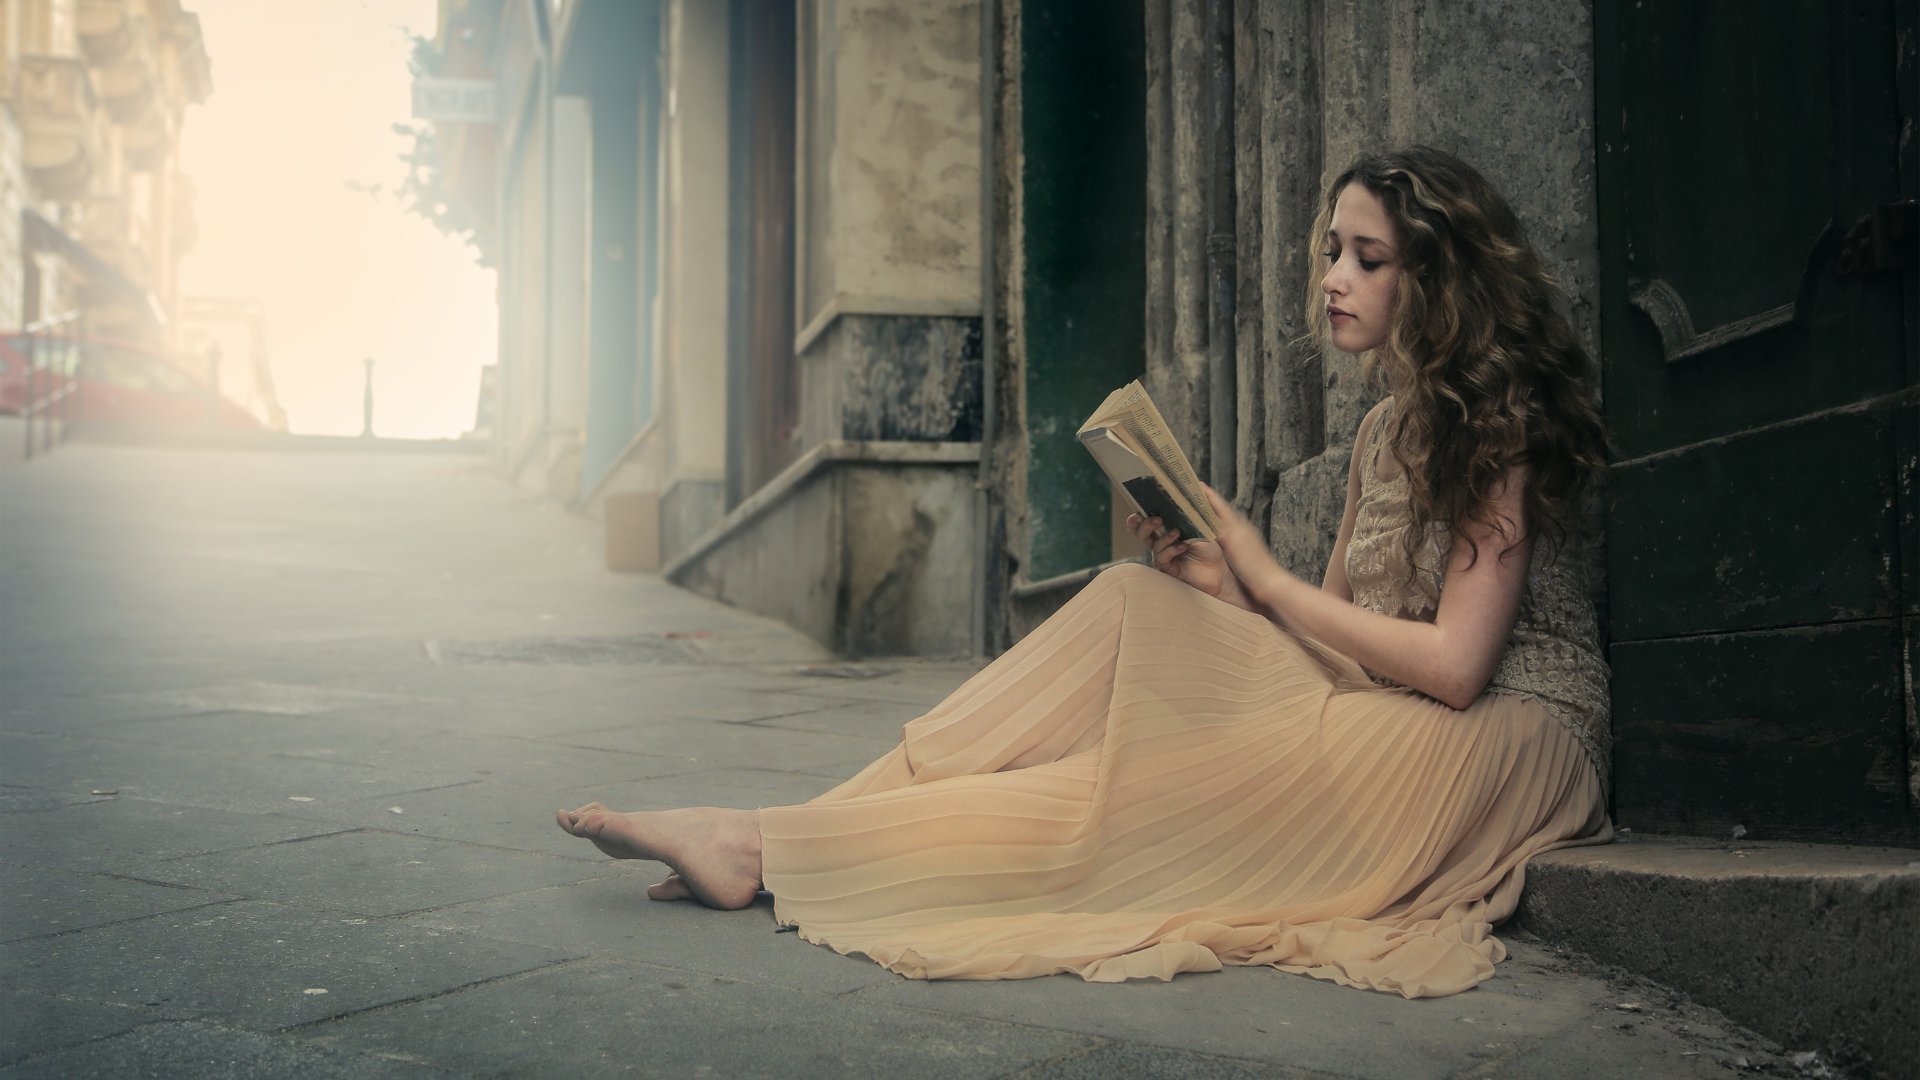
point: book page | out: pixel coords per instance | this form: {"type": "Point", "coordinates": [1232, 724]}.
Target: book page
{"type": "Point", "coordinates": [1142, 422]}
{"type": "Point", "coordinates": [1129, 415]}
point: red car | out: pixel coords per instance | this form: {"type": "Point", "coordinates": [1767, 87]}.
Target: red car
{"type": "Point", "coordinates": [119, 383]}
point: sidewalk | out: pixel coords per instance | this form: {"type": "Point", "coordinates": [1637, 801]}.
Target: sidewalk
{"type": "Point", "coordinates": [281, 736]}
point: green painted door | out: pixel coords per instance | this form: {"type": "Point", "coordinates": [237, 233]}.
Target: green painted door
{"type": "Point", "coordinates": [1762, 532]}
{"type": "Point", "coordinates": [1083, 177]}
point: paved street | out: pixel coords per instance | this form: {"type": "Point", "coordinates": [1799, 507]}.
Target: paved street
{"type": "Point", "coordinates": [281, 735]}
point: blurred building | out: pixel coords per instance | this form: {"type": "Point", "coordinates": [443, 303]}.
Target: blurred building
{"type": "Point", "coordinates": [816, 292]}
{"type": "Point", "coordinates": [91, 193]}
{"type": "Point", "coordinates": [739, 255]}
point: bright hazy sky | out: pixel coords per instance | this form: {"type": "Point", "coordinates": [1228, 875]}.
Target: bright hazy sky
{"type": "Point", "coordinates": [305, 93]}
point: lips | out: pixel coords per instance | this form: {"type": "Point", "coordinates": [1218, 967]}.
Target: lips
{"type": "Point", "coordinates": [1334, 313]}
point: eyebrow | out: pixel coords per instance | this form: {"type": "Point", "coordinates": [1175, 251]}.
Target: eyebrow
{"type": "Point", "coordinates": [1334, 234]}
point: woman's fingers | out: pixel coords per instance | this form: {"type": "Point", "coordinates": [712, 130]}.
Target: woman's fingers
{"type": "Point", "coordinates": [1168, 550]}
{"type": "Point", "coordinates": [1163, 545]}
{"type": "Point", "coordinates": [1146, 530]}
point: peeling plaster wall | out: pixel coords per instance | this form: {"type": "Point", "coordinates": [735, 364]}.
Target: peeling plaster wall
{"type": "Point", "coordinates": [907, 155]}
{"type": "Point", "coordinates": [893, 377]}
{"type": "Point", "coordinates": [895, 140]}
{"type": "Point", "coordinates": [891, 575]}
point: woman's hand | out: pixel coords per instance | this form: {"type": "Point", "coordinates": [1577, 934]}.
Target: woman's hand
{"type": "Point", "coordinates": [1196, 562]}
{"type": "Point", "coordinates": [1245, 549]}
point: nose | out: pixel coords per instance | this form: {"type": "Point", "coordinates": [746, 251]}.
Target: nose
{"type": "Point", "coordinates": [1334, 282]}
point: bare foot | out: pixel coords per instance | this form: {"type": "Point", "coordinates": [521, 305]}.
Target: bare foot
{"type": "Point", "coordinates": [714, 852]}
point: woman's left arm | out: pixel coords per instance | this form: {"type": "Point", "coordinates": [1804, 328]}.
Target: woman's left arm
{"type": "Point", "coordinates": [1449, 659]}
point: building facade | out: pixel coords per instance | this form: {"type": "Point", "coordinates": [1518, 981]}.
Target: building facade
{"type": "Point", "coordinates": [740, 291]}
{"type": "Point", "coordinates": [813, 294]}
{"type": "Point", "coordinates": [91, 193]}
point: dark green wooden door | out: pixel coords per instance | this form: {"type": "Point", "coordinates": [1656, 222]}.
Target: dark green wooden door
{"type": "Point", "coordinates": [1762, 534]}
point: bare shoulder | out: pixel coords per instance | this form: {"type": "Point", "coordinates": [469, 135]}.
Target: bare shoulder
{"type": "Point", "coordinates": [1373, 416]}
{"type": "Point", "coordinates": [1363, 438]}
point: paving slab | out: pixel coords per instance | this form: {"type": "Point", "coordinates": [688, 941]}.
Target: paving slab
{"type": "Point", "coordinates": [916, 684]}
{"type": "Point", "coordinates": [509, 814]}
{"type": "Point", "coordinates": [552, 705]}
{"type": "Point", "coordinates": [1106, 1060]}
{"type": "Point", "coordinates": [491, 812]}
{"type": "Point", "coordinates": [719, 745]}
{"type": "Point", "coordinates": [372, 873]}
{"type": "Point", "coordinates": [114, 833]}
{"type": "Point", "coordinates": [860, 718]}
{"type": "Point", "coordinates": [43, 900]}
{"type": "Point", "coordinates": [207, 1052]}
{"type": "Point", "coordinates": [748, 789]}
{"type": "Point", "coordinates": [615, 1018]}
{"type": "Point", "coordinates": [252, 696]}
{"type": "Point", "coordinates": [253, 964]}
{"type": "Point", "coordinates": [256, 783]}
{"type": "Point", "coordinates": [1284, 1019]}
{"type": "Point", "coordinates": [33, 1023]}
{"type": "Point", "coordinates": [611, 918]}
{"type": "Point", "coordinates": [385, 743]}
{"type": "Point", "coordinates": [23, 800]}
{"type": "Point", "coordinates": [57, 707]}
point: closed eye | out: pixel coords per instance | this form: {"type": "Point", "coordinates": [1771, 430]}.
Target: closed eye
{"type": "Point", "coordinates": [1368, 265]}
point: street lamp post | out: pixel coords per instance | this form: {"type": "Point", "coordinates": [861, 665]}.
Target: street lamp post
{"type": "Point", "coordinates": [366, 404]}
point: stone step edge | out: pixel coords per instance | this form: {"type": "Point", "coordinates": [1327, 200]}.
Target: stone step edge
{"type": "Point", "coordinates": [1816, 946]}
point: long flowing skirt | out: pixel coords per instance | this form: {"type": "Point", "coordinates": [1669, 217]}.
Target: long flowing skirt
{"type": "Point", "coordinates": [1154, 782]}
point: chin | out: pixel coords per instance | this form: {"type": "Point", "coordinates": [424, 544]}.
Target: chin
{"type": "Point", "coordinates": [1353, 343]}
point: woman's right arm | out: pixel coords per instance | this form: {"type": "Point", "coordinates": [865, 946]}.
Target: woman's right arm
{"type": "Point", "coordinates": [1335, 580]}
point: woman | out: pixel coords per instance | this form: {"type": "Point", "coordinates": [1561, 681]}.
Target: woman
{"type": "Point", "coordinates": [1219, 763]}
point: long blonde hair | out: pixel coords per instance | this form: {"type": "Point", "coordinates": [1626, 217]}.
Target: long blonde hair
{"type": "Point", "coordinates": [1485, 370]}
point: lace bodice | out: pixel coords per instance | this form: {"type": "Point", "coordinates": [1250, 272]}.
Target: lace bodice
{"type": "Point", "coordinates": [1553, 654]}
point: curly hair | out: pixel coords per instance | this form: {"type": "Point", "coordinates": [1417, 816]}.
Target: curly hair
{"type": "Point", "coordinates": [1485, 369]}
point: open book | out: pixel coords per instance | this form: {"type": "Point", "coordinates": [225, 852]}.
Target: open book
{"type": "Point", "coordinates": [1131, 442]}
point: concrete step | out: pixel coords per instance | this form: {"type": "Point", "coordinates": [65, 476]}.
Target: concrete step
{"type": "Point", "coordinates": [1814, 945]}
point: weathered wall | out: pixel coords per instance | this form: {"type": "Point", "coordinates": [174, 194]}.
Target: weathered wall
{"type": "Point", "coordinates": [796, 583]}
{"type": "Point", "coordinates": [892, 571]}
{"type": "Point", "coordinates": [914, 378]}
{"type": "Point", "coordinates": [890, 175]}
{"type": "Point", "coordinates": [906, 583]}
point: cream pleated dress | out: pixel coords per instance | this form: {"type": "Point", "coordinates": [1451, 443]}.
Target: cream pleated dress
{"type": "Point", "coordinates": [1155, 781]}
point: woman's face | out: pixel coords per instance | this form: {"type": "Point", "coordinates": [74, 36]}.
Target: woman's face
{"type": "Point", "coordinates": [1363, 271]}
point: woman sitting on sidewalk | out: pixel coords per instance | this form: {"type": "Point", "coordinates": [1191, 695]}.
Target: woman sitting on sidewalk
{"type": "Point", "coordinates": [1212, 762]}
